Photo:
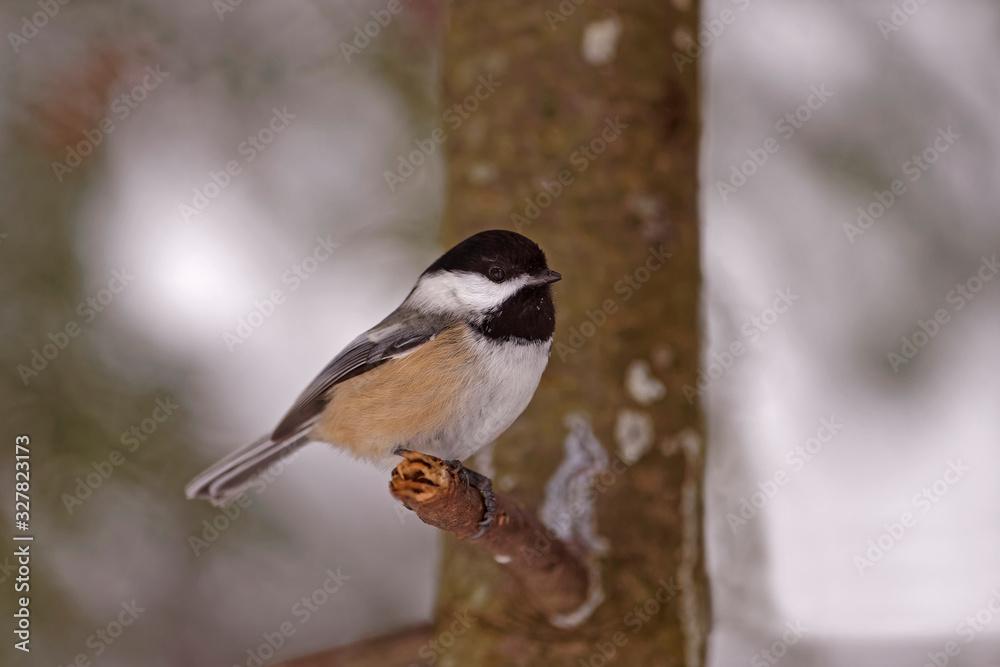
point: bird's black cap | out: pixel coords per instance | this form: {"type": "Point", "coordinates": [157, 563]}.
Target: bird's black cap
{"type": "Point", "coordinates": [480, 253]}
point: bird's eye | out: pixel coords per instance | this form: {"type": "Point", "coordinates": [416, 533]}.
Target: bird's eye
{"type": "Point", "coordinates": [497, 274]}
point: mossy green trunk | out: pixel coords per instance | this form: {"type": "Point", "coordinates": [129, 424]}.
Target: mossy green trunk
{"type": "Point", "coordinates": [584, 137]}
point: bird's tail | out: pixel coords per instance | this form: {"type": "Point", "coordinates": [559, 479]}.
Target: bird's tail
{"type": "Point", "coordinates": [228, 478]}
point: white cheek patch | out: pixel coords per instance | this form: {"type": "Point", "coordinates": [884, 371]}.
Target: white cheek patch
{"type": "Point", "coordinates": [462, 292]}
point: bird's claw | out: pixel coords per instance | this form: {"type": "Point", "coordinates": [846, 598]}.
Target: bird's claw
{"type": "Point", "coordinates": [482, 484]}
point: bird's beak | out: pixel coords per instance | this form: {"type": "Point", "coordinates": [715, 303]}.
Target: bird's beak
{"type": "Point", "coordinates": [545, 277]}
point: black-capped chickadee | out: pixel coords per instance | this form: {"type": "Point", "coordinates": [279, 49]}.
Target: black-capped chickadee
{"type": "Point", "coordinates": [445, 374]}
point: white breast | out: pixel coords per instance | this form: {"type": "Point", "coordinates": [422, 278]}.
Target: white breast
{"type": "Point", "coordinates": [500, 390]}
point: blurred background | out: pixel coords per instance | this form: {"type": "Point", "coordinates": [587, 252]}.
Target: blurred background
{"type": "Point", "coordinates": [196, 218]}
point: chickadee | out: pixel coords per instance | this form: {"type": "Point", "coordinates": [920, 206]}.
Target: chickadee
{"type": "Point", "coordinates": [444, 374]}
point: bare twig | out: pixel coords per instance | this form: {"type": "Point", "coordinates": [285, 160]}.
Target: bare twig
{"type": "Point", "coordinates": [556, 578]}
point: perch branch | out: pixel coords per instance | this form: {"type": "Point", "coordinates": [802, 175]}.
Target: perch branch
{"type": "Point", "coordinates": [555, 577]}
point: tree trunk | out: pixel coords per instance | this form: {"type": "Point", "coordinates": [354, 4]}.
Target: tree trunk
{"type": "Point", "coordinates": [584, 137]}
{"type": "Point", "coordinates": [578, 126]}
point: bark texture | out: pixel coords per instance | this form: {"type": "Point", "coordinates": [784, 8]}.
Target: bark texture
{"type": "Point", "coordinates": [587, 142]}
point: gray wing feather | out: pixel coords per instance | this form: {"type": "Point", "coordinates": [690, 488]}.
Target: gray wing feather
{"type": "Point", "coordinates": [396, 336]}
